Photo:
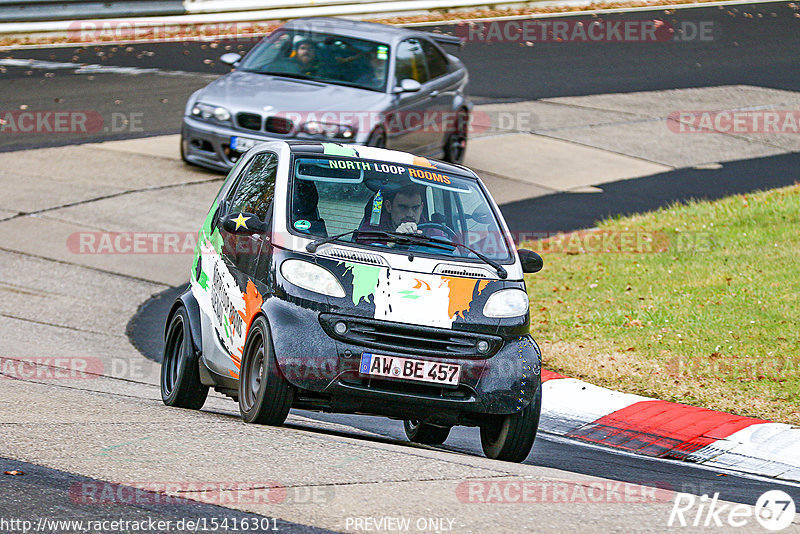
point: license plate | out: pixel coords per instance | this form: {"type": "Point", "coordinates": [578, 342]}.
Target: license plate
{"type": "Point", "coordinates": [409, 369]}
{"type": "Point", "coordinates": [243, 144]}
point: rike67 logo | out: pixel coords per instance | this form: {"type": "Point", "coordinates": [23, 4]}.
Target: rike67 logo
{"type": "Point", "coordinates": [774, 510]}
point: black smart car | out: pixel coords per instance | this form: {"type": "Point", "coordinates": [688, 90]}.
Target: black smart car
{"type": "Point", "coordinates": [359, 280]}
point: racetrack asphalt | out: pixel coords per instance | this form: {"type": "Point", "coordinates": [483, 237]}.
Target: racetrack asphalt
{"type": "Point", "coordinates": [62, 500]}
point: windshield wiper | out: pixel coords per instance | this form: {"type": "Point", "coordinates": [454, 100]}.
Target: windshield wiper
{"type": "Point", "coordinates": [312, 247]}
{"type": "Point", "coordinates": [395, 237]}
{"type": "Point", "coordinates": [501, 272]}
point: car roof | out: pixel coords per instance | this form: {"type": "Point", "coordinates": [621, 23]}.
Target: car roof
{"type": "Point", "coordinates": [318, 148]}
{"type": "Point", "coordinates": [370, 31]}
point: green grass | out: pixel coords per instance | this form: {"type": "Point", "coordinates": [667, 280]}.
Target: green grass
{"type": "Point", "coordinates": [707, 314]}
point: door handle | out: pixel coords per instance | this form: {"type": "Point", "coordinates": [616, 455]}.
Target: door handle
{"type": "Point", "coordinates": [434, 93]}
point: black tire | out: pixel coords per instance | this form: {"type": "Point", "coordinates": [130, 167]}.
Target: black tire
{"type": "Point", "coordinates": [180, 374]}
{"type": "Point", "coordinates": [510, 437]}
{"type": "Point", "coordinates": [264, 394]}
{"type": "Point", "coordinates": [377, 138]}
{"type": "Point", "coordinates": [425, 433]}
{"type": "Point", "coordinates": [455, 144]}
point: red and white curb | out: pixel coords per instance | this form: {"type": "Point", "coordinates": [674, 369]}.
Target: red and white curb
{"type": "Point", "coordinates": [579, 410]}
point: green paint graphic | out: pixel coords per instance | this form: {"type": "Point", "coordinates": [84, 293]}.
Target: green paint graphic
{"type": "Point", "coordinates": [203, 280]}
{"type": "Point", "coordinates": [365, 280]}
{"type": "Point", "coordinates": [408, 294]}
{"type": "Point", "coordinates": [333, 149]}
{"type": "Point", "coordinates": [205, 232]}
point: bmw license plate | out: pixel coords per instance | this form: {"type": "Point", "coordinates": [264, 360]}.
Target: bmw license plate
{"type": "Point", "coordinates": [409, 369]}
{"type": "Point", "coordinates": [243, 144]}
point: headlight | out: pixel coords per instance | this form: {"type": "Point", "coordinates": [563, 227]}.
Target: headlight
{"type": "Point", "coordinates": [506, 303]}
{"type": "Point", "coordinates": [312, 277]}
{"type": "Point", "coordinates": [207, 112]}
{"type": "Point", "coordinates": [341, 131]}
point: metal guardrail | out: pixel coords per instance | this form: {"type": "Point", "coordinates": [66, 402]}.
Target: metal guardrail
{"type": "Point", "coordinates": [59, 18]}
{"type": "Point", "coordinates": [45, 10]}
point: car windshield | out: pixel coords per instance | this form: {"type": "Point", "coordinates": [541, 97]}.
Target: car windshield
{"type": "Point", "coordinates": [371, 201]}
{"type": "Point", "coordinates": [321, 57]}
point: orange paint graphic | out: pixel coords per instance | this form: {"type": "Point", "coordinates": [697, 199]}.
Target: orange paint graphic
{"type": "Point", "coordinates": [252, 305]}
{"type": "Point", "coordinates": [419, 283]}
{"type": "Point", "coordinates": [422, 162]}
{"type": "Point", "coordinates": [461, 294]}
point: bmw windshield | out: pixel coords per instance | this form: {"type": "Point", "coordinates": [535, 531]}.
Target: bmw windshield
{"type": "Point", "coordinates": [377, 203]}
{"type": "Point", "coordinates": [321, 57]}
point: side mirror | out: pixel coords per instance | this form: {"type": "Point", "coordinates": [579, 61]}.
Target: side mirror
{"type": "Point", "coordinates": [243, 224]}
{"type": "Point", "coordinates": [408, 86]}
{"type": "Point", "coordinates": [531, 261]}
{"type": "Point", "coordinates": [231, 58]}
{"type": "Point", "coordinates": [481, 215]}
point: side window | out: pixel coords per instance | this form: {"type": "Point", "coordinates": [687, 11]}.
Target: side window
{"type": "Point", "coordinates": [256, 188]}
{"type": "Point", "coordinates": [411, 62]}
{"type": "Point", "coordinates": [437, 63]}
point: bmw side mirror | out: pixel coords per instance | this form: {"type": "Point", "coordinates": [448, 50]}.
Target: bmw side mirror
{"type": "Point", "coordinates": [408, 86]}
{"type": "Point", "coordinates": [243, 223]}
{"type": "Point", "coordinates": [231, 58]}
{"type": "Point", "coordinates": [531, 261]}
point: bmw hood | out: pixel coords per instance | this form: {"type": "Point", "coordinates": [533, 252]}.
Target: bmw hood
{"type": "Point", "coordinates": [247, 91]}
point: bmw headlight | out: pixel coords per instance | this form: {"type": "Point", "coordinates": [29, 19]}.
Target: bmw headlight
{"type": "Point", "coordinates": [327, 129]}
{"type": "Point", "coordinates": [312, 277]}
{"type": "Point", "coordinates": [208, 112]}
{"type": "Point", "coordinates": [506, 303]}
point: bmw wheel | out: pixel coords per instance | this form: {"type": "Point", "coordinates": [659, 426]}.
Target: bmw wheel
{"type": "Point", "coordinates": [377, 138]}
{"type": "Point", "coordinates": [455, 147]}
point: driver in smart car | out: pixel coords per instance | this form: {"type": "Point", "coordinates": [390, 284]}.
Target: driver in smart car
{"type": "Point", "coordinates": [400, 212]}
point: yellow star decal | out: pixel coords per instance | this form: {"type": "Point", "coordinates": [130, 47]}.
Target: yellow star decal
{"type": "Point", "coordinates": [240, 221]}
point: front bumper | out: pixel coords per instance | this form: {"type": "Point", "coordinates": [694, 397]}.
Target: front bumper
{"type": "Point", "coordinates": [208, 145]}
{"type": "Point", "coordinates": [313, 361]}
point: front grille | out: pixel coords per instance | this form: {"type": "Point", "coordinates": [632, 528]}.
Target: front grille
{"type": "Point", "coordinates": [465, 272]}
{"type": "Point", "coordinates": [412, 339]}
{"type": "Point", "coordinates": [279, 125]}
{"type": "Point", "coordinates": [352, 255]}
{"type": "Point", "coordinates": [249, 121]}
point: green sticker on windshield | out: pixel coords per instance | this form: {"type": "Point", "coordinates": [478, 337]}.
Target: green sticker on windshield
{"type": "Point", "coordinates": [302, 224]}
{"type": "Point", "coordinates": [333, 149]}
{"type": "Point", "coordinates": [382, 53]}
